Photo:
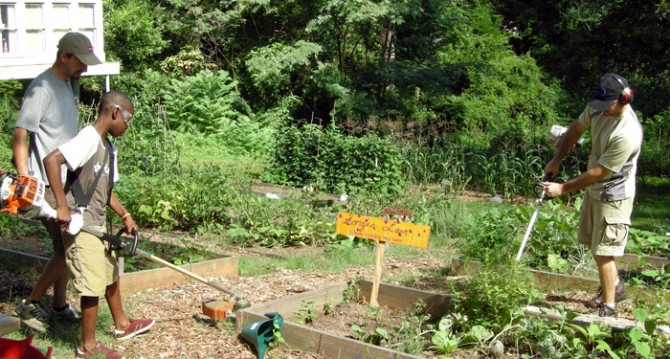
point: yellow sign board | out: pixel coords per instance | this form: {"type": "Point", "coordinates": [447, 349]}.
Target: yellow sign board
{"type": "Point", "coordinates": [382, 229]}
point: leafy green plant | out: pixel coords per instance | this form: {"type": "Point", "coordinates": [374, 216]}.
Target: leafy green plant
{"type": "Point", "coordinates": [351, 293]}
{"type": "Point", "coordinates": [647, 243]}
{"type": "Point", "coordinates": [407, 337]}
{"type": "Point", "coordinates": [495, 296]}
{"type": "Point", "coordinates": [207, 102]}
{"type": "Point", "coordinates": [489, 240]}
{"type": "Point", "coordinates": [594, 336]}
{"type": "Point", "coordinates": [278, 338]}
{"type": "Point", "coordinates": [306, 314]}
{"type": "Point", "coordinates": [657, 277]}
{"type": "Point", "coordinates": [644, 341]}
{"type": "Point", "coordinates": [327, 308]}
{"type": "Point", "coordinates": [330, 161]}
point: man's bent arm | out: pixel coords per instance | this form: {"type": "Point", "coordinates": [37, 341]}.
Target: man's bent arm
{"type": "Point", "coordinates": [584, 180]}
{"type": "Point", "coordinates": [52, 166]}
{"type": "Point", "coordinates": [570, 138]}
{"type": "Point", "coordinates": [20, 148]}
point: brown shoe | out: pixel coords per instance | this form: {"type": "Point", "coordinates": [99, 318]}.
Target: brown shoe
{"type": "Point", "coordinates": [97, 349]}
{"type": "Point", "coordinates": [619, 295]}
{"type": "Point", "coordinates": [137, 326]}
{"type": "Point", "coordinates": [604, 311]}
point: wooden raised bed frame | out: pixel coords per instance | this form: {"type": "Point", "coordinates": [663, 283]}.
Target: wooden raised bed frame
{"type": "Point", "coordinates": [226, 266]}
{"type": "Point", "coordinates": [329, 345]}
{"type": "Point", "coordinates": [319, 341]}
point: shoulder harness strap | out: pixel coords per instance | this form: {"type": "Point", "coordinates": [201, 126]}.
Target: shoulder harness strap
{"type": "Point", "coordinates": [84, 198]}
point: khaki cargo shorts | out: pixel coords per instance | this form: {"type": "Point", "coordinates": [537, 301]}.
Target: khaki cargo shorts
{"type": "Point", "coordinates": [603, 226]}
{"type": "Point", "coordinates": [90, 264]}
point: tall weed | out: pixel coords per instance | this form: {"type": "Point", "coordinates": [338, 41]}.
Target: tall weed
{"type": "Point", "coordinates": [206, 103]}
{"type": "Point", "coordinates": [501, 170]}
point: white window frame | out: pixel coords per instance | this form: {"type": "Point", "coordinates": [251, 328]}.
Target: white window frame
{"type": "Point", "coordinates": [51, 30]}
{"type": "Point", "coordinates": [20, 63]}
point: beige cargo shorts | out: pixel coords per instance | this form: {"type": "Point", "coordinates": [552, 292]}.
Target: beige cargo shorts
{"type": "Point", "coordinates": [90, 263]}
{"type": "Point", "coordinates": [603, 226]}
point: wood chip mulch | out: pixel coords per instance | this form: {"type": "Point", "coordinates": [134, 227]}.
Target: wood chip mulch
{"type": "Point", "coordinates": [182, 331]}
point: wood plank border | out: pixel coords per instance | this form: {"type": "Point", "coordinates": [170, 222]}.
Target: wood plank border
{"type": "Point", "coordinates": [318, 341]}
{"type": "Point", "coordinates": [152, 278]}
{"type": "Point", "coordinates": [632, 259]}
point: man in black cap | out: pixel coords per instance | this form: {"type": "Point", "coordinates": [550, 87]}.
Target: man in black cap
{"type": "Point", "coordinates": [616, 139]}
{"type": "Point", "coordinates": [48, 118]}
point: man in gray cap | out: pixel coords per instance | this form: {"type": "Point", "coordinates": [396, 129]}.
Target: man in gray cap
{"type": "Point", "coordinates": [48, 118]}
{"type": "Point", "coordinates": [616, 140]}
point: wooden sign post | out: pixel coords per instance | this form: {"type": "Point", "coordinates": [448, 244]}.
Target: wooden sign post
{"type": "Point", "coordinates": [382, 230]}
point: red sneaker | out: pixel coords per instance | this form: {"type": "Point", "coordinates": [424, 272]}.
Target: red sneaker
{"type": "Point", "coordinates": [137, 326]}
{"type": "Point", "coordinates": [97, 349]}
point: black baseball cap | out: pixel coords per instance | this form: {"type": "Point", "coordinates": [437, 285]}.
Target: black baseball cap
{"type": "Point", "coordinates": [610, 88]}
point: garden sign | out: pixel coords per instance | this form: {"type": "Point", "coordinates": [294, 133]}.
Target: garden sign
{"type": "Point", "coordinates": [382, 230]}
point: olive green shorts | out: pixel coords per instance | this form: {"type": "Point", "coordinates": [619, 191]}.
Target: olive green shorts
{"type": "Point", "coordinates": [603, 226]}
{"type": "Point", "coordinates": [90, 263]}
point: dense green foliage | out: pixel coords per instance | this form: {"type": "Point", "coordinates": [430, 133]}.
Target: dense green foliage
{"type": "Point", "coordinates": [444, 92]}
{"type": "Point", "coordinates": [330, 161]}
{"type": "Point", "coordinates": [372, 97]}
{"type": "Point", "coordinates": [8, 111]}
{"type": "Point", "coordinates": [481, 81]}
{"type": "Point", "coordinates": [205, 103]}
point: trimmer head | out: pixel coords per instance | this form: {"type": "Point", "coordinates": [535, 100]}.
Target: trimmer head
{"type": "Point", "coordinates": [220, 309]}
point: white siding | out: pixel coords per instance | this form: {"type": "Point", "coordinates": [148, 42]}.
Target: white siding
{"type": "Point", "coordinates": [31, 30]}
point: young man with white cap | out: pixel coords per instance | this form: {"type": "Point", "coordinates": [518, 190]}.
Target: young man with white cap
{"type": "Point", "coordinates": [48, 118]}
{"type": "Point", "coordinates": [616, 140]}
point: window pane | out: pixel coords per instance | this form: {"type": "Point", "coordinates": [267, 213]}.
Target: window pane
{"type": "Point", "coordinates": [34, 16]}
{"type": "Point", "coordinates": [86, 16]}
{"type": "Point", "coordinates": [7, 26]}
{"type": "Point", "coordinates": [7, 16]}
{"type": "Point", "coordinates": [61, 17]}
{"type": "Point", "coordinates": [35, 42]}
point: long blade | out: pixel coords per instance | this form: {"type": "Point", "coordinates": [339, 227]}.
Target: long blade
{"type": "Point", "coordinates": [530, 227]}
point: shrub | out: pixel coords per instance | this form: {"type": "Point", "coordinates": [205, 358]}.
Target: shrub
{"type": "Point", "coordinates": [9, 107]}
{"type": "Point", "coordinates": [195, 200]}
{"type": "Point", "coordinates": [655, 159]}
{"type": "Point", "coordinates": [206, 103]}
{"type": "Point", "coordinates": [331, 161]}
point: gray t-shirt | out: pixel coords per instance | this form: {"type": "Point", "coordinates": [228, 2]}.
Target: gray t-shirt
{"type": "Point", "coordinates": [49, 113]}
{"type": "Point", "coordinates": [615, 145]}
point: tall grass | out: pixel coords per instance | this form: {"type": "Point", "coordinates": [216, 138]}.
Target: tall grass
{"type": "Point", "coordinates": [501, 171]}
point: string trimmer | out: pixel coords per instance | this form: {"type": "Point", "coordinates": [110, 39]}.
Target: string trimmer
{"type": "Point", "coordinates": [25, 194]}
{"type": "Point", "coordinates": [543, 196]}
{"type": "Point", "coordinates": [235, 303]}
